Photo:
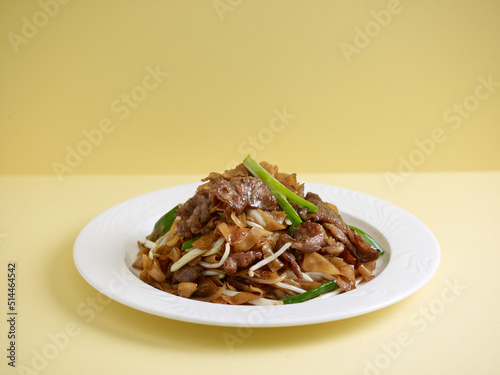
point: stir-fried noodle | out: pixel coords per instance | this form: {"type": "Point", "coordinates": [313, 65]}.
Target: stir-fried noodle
{"type": "Point", "coordinates": [233, 243]}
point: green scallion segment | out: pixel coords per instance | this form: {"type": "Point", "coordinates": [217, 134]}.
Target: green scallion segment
{"type": "Point", "coordinates": [287, 207]}
{"type": "Point", "coordinates": [310, 294]}
{"type": "Point", "coordinates": [282, 193]}
{"type": "Point", "coordinates": [369, 239]}
{"type": "Point", "coordinates": [166, 221]}
{"type": "Point", "coordinates": [189, 243]}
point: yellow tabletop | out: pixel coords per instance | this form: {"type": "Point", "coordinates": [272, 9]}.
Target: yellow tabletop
{"type": "Point", "coordinates": [64, 326]}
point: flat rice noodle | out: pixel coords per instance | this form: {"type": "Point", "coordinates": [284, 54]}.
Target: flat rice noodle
{"type": "Point", "coordinates": [168, 272]}
{"type": "Point", "coordinates": [278, 216]}
{"type": "Point", "coordinates": [271, 224]}
{"type": "Point", "coordinates": [308, 285]}
{"type": "Point", "coordinates": [164, 264]}
{"type": "Point", "coordinates": [211, 258]}
{"type": "Point", "coordinates": [146, 262]}
{"type": "Point", "coordinates": [255, 216]}
{"type": "Point", "coordinates": [142, 248]}
{"type": "Point", "coordinates": [314, 262]}
{"type": "Point", "coordinates": [240, 298]}
{"type": "Point", "coordinates": [162, 250]}
{"type": "Point", "coordinates": [272, 169]}
{"type": "Point", "coordinates": [206, 186]}
{"type": "Point", "coordinates": [274, 265]}
{"type": "Point", "coordinates": [366, 269]}
{"type": "Point", "coordinates": [239, 171]}
{"type": "Point", "coordinates": [162, 257]}
{"type": "Point", "coordinates": [155, 271]}
{"type": "Point", "coordinates": [344, 283]}
{"type": "Point", "coordinates": [224, 229]}
{"type": "Point", "coordinates": [173, 235]}
{"type": "Point", "coordinates": [370, 266]}
{"type": "Point", "coordinates": [345, 269]}
{"type": "Point", "coordinates": [239, 219]}
{"type": "Point", "coordinates": [216, 280]}
{"type": "Point", "coordinates": [252, 237]}
{"type": "Point", "coordinates": [219, 300]}
{"type": "Point", "coordinates": [240, 286]}
{"type": "Point", "coordinates": [279, 294]}
{"type": "Point", "coordinates": [347, 257]}
{"type": "Point", "coordinates": [213, 176]}
{"type": "Point", "coordinates": [289, 180]}
{"type": "Point", "coordinates": [215, 297]}
{"type": "Point", "coordinates": [186, 289]}
{"type": "Point", "coordinates": [237, 235]}
{"type": "Point", "coordinates": [205, 242]}
{"type": "Point", "coordinates": [163, 253]}
{"type": "Point", "coordinates": [206, 288]}
{"type": "Point", "coordinates": [157, 285]}
{"type": "Point", "coordinates": [253, 289]}
{"type": "Point", "coordinates": [138, 262]}
{"type": "Point", "coordinates": [195, 261]}
{"type": "Point", "coordinates": [265, 275]}
{"type": "Point", "coordinates": [150, 280]}
{"type": "Point", "coordinates": [175, 254]}
{"type": "Point", "coordinates": [167, 287]}
{"type": "Point", "coordinates": [347, 278]}
{"type": "Point", "coordinates": [242, 239]}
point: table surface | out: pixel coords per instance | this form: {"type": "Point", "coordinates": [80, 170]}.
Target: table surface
{"type": "Point", "coordinates": [65, 326]}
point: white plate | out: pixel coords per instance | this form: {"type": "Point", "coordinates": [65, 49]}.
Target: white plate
{"type": "Point", "coordinates": [107, 246]}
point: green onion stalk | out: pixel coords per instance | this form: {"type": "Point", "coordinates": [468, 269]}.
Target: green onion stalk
{"type": "Point", "coordinates": [282, 193]}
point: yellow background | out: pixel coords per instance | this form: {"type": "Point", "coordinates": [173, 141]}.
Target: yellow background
{"type": "Point", "coordinates": [231, 65]}
{"type": "Point", "coordinates": [353, 104]}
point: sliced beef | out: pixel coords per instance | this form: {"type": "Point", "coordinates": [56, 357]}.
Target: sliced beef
{"type": "Point", "coordinates": [307, 238]}
{"type": "Point", "coordinates": [364, 251]}
{"type": "Point", "coordinates": [235, 195]}
{"type": "Point", "coordinates": [187, 274]}
{"type": "Point", "coordinates": [334, 223]}
{"type": "Point", "coordinates": [239, 193]}
{"type": "Point", "coordinates": [333, 247]}
{"type": "Point", "coordinates": [194, 214]}
{"type": "Point", "coordinates": [338, 234]}
{"type": "Point", "coordinates": [292, 262]}
{"type": "Point", "coordinates": [243, 259]}
{"type": "Point", "coordinates": [324, 212]}
{"type": "Point", "coordinates": [358, 247]}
